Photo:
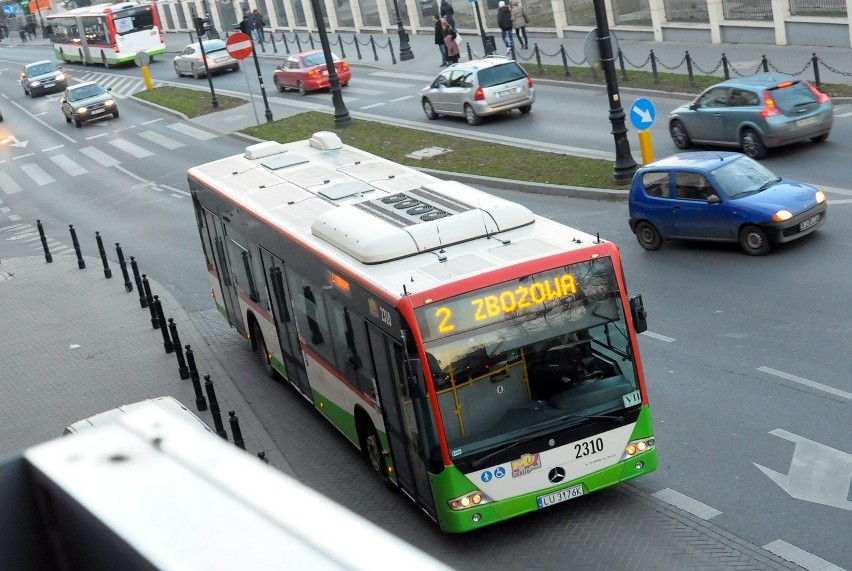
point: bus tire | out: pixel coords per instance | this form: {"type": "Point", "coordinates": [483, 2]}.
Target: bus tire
{"type": "Point", "coordinates": [372, 449]}
{"type": "Point", "coordinates": [263, 354]}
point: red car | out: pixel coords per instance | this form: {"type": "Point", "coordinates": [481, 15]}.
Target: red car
{"type": "Point", "coordinates": [307, 71]}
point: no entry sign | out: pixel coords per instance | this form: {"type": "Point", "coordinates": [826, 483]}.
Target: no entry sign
{"type": "Point", "coordinates": [238, 45]}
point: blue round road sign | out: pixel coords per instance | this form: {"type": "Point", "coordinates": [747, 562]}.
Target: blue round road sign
{"type": "Point", "coordinates": [642, 113]}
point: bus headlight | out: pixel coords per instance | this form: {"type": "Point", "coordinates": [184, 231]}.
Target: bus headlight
{"type": "Point", "coordinates": [475, 498]}
{"type": "Point", "coordinates": [637, 447]}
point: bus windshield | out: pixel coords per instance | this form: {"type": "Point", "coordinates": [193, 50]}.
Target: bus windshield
{"type": "Point", "coordinates": [133, 20]}
{"type": "Point", "coordinates": [530, 356]}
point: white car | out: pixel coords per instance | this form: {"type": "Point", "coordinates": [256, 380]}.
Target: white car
{"type": "Point", "coordinates": [191, 62]}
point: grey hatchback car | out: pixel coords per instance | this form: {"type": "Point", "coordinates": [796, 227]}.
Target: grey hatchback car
{"type": "Point", "coordinates": [42, 77]}
{"type": "Point", "coordinates": [754, 113]}
{"type": "Point", "coordinates": [191, 62]}
{"type": "Point", "coordinates": [478, 88]}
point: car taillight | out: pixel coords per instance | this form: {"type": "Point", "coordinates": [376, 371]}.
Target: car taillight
{"type": "Point", "coordinates": [344, 66]}
{"type": "Point", "coordinates": [479, 95]}
{"type": "Point", "coordinates": [769, 109]}
{"type": "Point", "coordinates": [821, 97]}
{"type": "Point", "coordinates": [312, 73]}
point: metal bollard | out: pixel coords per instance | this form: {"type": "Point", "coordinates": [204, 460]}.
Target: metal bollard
{"type": "Point", "coordinates": [373, 45]}
{"type": "Point", "coordinates": [154, 321]}
{"type": "Point", "coordinates": [184, 372]}
{"type": "Point", "coordinates": [311, 39]}
{"type": "Point", "coordinates": [262, 456]}
{"type": "Point", "coordinates": [564, 60]}
{"type": "Point", "coordinates": [689, 70]}
{"type": "Point", "coordinates": [214, 407]}
{"type": "Point", "coordinates": [536, 54]}
{"type": "Point", "coordinates": [274, 47]}
{"type": "Point", "coordinates": [47, 257]}
{"type": "Point", "coordinates": [298, 43]}
{"type": "Point", "coordinates": [815, 61]}
{"type": "Point", "coordinates": [161, 319]}
{"type": "Point", "coordinates": [621, 64]}
{"type": "Point", "coordinates": [99, 240]}
{"type": "Point", "coordinates": [200, 403]}
{"type": "Point", "coordinates": [725, 66]}
{"type": "Point", "coordinates": [357, 47]}
{"type": "Point", "coordinates": [235, 429]}
{"type": "Point", "coordinates": [80, 263]}
{"type": "Point", "coordinates": [390, 47]}
{"type": "Point", "coordinates": [764, 63]}
{"type": "Point", "coordinates": [138, 279]}
{"type": "Point", "coordinates": [654, 67]}
{"type": "Point", "coordinates": [128, 287]}
{"type": "Point", "coordinates": [340, 43]}
{"type": "Point", "coordinates": [147, 287]}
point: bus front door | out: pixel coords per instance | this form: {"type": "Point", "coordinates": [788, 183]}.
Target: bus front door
{"type": "Point", "coordinates": [409, 461]}
{"type": "Point", "coordinates": [285, 324]}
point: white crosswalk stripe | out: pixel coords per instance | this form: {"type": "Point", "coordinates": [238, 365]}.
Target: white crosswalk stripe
{"type": "Point", "coordinates": [131, 148]}
{"type": "Point", "coordinates": [38, 174]}
{"type": "Point", "coordinates": [8, 184]}
{"type": "Point", "coordinates": [191, 131]}
{"type": "Point", "coordinates": [68, 164]}
{"type": "Point", "coordinates": [162, 140]}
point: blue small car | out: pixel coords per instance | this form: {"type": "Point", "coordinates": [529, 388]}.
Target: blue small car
{"type": "Point", "coordinates": [721, 196]}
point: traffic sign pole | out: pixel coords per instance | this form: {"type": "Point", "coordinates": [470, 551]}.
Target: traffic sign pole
{"type": "Point", "coordinates": [642, 114]}
{"type": "Point", "coordinates": [240, 46]}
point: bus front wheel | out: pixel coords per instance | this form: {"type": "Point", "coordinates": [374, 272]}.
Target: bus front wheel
{"type": "Point", "coordinates": [262, 352]}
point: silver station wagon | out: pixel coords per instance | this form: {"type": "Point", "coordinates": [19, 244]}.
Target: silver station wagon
{"type": "Point", "coordinates": [478, 88]}
{"type": "Point", "coordinates": [754, 113]}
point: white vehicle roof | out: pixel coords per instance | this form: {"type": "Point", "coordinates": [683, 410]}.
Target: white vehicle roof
{"type": "Point", "coordinates": [166, 403]}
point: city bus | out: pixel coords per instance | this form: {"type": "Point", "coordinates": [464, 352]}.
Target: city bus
{"type": "Point", "coordinates": [484, 359]}
{"type": "Point", "coordinates": [108, 34]}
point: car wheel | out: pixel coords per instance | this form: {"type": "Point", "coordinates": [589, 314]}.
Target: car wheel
{"type": "Point", "coordinates": [177, 70]}
{"type": "Point", "coordinates": [236, 67]}
{"type": "Point", "coordinates": [753, 241]}
{"type": "Point", "coordinates": [471, 116]}
{"type": "Point", "coordinates": [429, 110]}
{"type": "Point", "coordinates": [648, 236]}
{"type": "Point", "coordinates": [301, 87]}
{"type": "Point", "coordinates": [78, 123]}
{"type": "Point", "coordinates": [525, 109]}
{"type": "Point", "coordinates": [344, 84]}
{"type": "Point", "coordinates": [752, 145]}
{"type": "Point", "coordinates": [679, 136]}
{"type": "Point", "coordinates": [67, 118]}
{"type": "Point", "coordinates": [195, 73]}
{"type": "Point", "coordinates": [820, 138]}
{"type": "Point", "coordinates": [278, 85]}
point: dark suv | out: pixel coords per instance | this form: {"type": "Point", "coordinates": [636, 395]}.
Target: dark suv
{"type": "Point", "coordinates": [42, 77]}
{"type": "Point", "coordinates": [478, 88]}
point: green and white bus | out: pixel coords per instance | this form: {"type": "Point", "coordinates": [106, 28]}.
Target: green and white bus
{"type": "Point", "coordinates": [484, 359]}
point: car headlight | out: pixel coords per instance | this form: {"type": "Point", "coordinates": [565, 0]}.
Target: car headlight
{"type": "Point", "coordinates": [60, 76]}
{"type": "Point", "coordinates": [820, 197]}
{"type": "Point", "coordinates": [82, 109]}
{"type": "Point", "coordinates": [35, 83]}
{"type": "Point", "coordinates": [782, 215]}
{"type": "Point", "coordinates": [109, 102]}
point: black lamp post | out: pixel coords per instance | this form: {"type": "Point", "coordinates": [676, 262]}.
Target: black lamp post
{"type": "Point", "coordinates": [625, 166]}
{"type": "Point", "coordinates": [405, 52]}
{"type": "Point", "coordinates": [485, 46]}
{"type": "Point", "coordinates": [341, 114]}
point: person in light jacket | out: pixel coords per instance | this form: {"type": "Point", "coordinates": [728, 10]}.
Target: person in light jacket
{"type": "Point", "coordinates": [504, 22]}
{"type": "Point", "coordinates": [519, 22]}
{"type": "Point", "coordinates": [450, 36]}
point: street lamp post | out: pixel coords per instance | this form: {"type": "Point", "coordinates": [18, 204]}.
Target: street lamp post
{"type": "Point", "coordinates": [485, 49]}
{"type": "Point", "coordinates": [405, 52]}
{"type": "Point", "coordinates": [625, 166]}
{"type": "Point", "coordinates": [341, 114]}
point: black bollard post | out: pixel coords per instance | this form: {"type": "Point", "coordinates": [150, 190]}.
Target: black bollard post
{"type": "Point", "coordinates": [214, 407]}
{"type": "Point", "coordinates": [200, 403]}
{"type": "Point", "coordinates": [311, 40]}
{"type": "Point", "coordinates": [274, 47]}
{"type": "Point", "coordinates": [621, 64]}
{"type": "Point", "coordinates": [80, 263]}
{"type": "Point", "coordinates": [375, 52]}
{"type": "Point", "coordinates": [184, 372]}
{"type": "Point", "coordinates": [128, 286]}
{"type": "Point", "coordinates": [99, 240]}
{"type": "Point", "coordinates": [161, 319]}
{"type": "Point", "coordinates": [654, 67]}
{"type": "Point", "coordinates": [564, 59]}
{"type": "Point", "coordinates": [155, 322]}
{"type": "Point", "coordinates": [390, 48]}
{"type": "Point", "coordinates": [138, 279]}
{"type": "Point", "coordinates": [262, 456]}
{"type": "Point", "coordinates": [725, 66]}
{"type": "Point", "coordinates": [340, 43]}
{"type": "Point", "coordinates": [537, 55]}
{"type": "Point", "coordinates": [235, 430]}
{"type": "Point", "coordinates": [689, 70]}
{"type": "Point", "coordinates": [47, 257]}
{"type": "Point", "coordinates": [147, 287]}
{"type": "Point", "coordinates": [357, 47]}
{"type": "Point", "coordinates": [764, 63]}
{"type": "Point", "coordinates": [815, 61]}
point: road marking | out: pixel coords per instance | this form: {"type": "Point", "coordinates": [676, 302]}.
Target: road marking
{"type": "Point", "coordinates": [398, 99]}
{"type": "Point", "coordinates": [38, 174]}
{"type": "Point", "coordinates": [23, 156]}
{"type": "Point", "coordinates": [137, 177]}
{"type": "Point", "coordinates": [130, 148]}
{"type": "Point", "coordinates": [363, 91]}
{"type": "Point", "coordinates": [394, 75]}
{"type": "Point", "coordinates": [152, 121]}
{"type": "Point", "coordinates": [658, 336]}
{"type": "Point", "coordinates": [98, 136]}
{"type": "Point", "coordinates": [373, 105]}
{"type": "Point", "coordinates": [849, 114]}
{"type": "Point", "coordinates": [818, 473]}
{"type": "Point", "coordinates": [383, 84]}
{"type": "Point", "coordinates": [686, 503]}
{"type": "Point", "coordinates": [806, 382]}
{"type": "Point", "coordinates": [800, 557]}
{"type": "Point", "coordinates": [52, 148]}
{"type": "Point", "coordinates": [192, 131]}
{"type": "Point", "coordinates": [161, 140]}
{"type": "Point", "coordinates": [100, 157]}
{"type": "Point", "coordinates": [69, 165]}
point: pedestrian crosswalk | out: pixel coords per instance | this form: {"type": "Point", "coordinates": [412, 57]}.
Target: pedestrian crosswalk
{"type": "Point", "coordinates": [120, 86]}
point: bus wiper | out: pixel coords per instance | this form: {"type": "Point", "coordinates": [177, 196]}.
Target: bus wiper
{"type": "Point", "coordinates": [615, 418]}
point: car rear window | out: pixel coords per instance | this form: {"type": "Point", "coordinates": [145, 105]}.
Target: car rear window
{"type": "Point", "coordinates": [792, 96]}
{"type": "Point", "coordinates": [501, 74]}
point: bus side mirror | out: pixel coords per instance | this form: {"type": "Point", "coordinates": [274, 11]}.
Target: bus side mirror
{"type": "Point", "coordinates": [415, 380]}
{"type": "Point", "coordinates": [637, 312]}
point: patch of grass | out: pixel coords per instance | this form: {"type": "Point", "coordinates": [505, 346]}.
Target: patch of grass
{"type": "Point", "coordinates": [190, 102]}
{"type": "Point", "coordinates": [467, 156]}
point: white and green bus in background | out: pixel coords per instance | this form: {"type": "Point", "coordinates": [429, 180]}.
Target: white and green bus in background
{"type": "Point", "coordinates": [108, 34]}
{"type": "Point", "coordinates": [483, 358]}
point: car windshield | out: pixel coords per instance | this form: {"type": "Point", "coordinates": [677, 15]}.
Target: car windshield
{"type": "Point", "coordinates": [743, 176]}
{"type": "Point", "coordinates": [84, 92]}
{"type": "Point", "coordinates": [500, 74]}
{"type": "Point", "coordinates": [40, 69]}
{"type": "Point", "coordinates": [532, 355]}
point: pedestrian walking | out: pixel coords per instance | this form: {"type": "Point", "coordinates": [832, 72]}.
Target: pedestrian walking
{"type": "Point", "coordinates": [447, 13]}
{"type": "Point", "coordinates": [259, 23]}
{"type": "Point", "coordinates": [439, 39]}
{"type": "Point", "coordinates": [450, 36]}
{"type": "Point", "coordinates": [519, 22]}
{"type": "Point", "coordinates": [504, 22]}
{"type": "Point", "coordinates": [23, 33]}
{"type": "Point", "coordinates": [251, 24]}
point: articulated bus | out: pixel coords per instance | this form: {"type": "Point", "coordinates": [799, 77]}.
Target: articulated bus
{"type": "Point", "coordinates": [108, 34]}
{"type": "Point", "coordinates": [484, 359]}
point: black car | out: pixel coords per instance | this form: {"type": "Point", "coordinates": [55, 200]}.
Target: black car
{"type": "Point", "coordinates": [42, 77]}
{"type": "Point", "coordinates": [87, 101]}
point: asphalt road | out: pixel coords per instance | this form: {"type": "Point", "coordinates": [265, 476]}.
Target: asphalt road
{"type": "Point", "coordinates": [748, 359]}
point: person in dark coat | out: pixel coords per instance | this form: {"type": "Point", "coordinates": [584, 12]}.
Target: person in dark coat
{"type": "Point", "coordinates": [447, 13]}
{"type": "Point", "coordinates": [439, 39]}
{"type": "Point", "coordinates": [504, 22]}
